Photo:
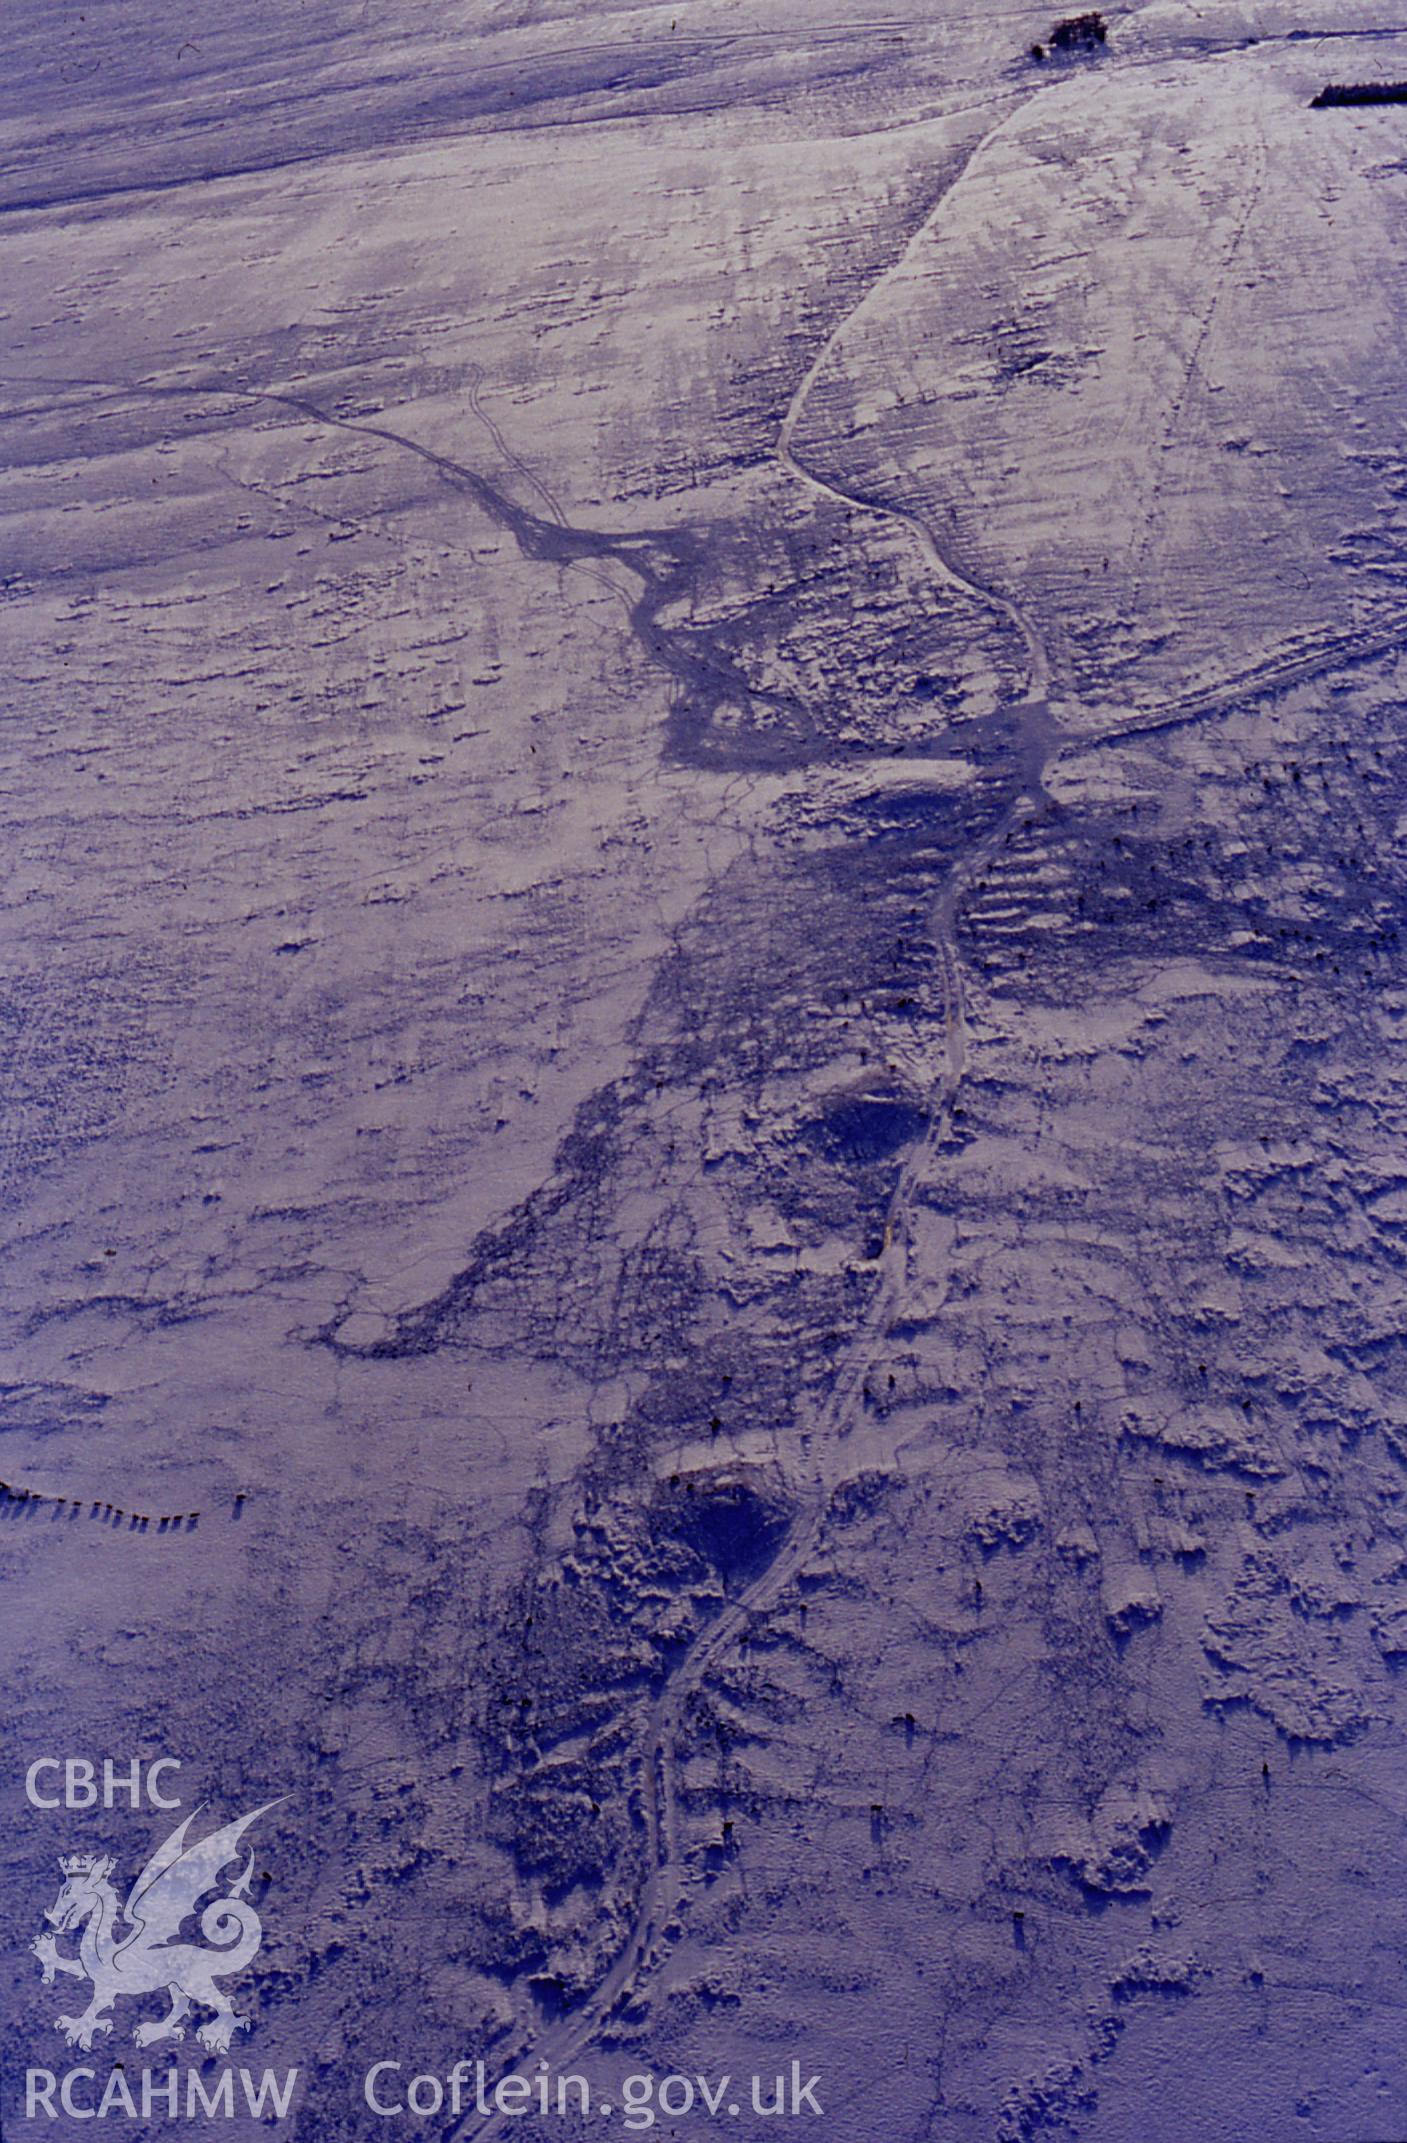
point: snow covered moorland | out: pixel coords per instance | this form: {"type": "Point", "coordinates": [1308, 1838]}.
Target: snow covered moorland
{"type": "Point", "coordinates": [705, 1186]}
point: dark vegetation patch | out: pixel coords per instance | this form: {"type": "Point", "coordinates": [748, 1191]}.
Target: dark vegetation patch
{"type": "Point", "coordinates": [732, 1523]}
{"type": "Point", "coordinates": [866, 1124]}
{"type": "Point", "coordinates": [1359, 93]}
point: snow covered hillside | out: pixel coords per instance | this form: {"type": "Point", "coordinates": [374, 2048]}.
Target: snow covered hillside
{"type": "Point", "coordinates": [705, 799]}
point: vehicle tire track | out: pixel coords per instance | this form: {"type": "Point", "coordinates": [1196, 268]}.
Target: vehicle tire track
{"type": "Point", "coordinates": [1250, 198]}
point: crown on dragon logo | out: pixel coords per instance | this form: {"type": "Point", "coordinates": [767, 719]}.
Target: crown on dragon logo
{"type": "Point", "coordinates": [77, 1863]}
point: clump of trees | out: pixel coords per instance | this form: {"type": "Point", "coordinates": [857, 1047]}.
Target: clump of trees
{"type": "Point", "coordinates": [1360, 93]}
{"type": "Point", "coordinates": [1075, 33]}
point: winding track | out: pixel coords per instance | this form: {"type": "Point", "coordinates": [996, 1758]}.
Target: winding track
{"type": "Point", "coordinates": [667, 1881]}
{"type": "Point", "coordinates": [1038, 740]}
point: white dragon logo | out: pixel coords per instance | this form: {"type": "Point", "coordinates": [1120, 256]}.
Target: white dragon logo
{"type": "Point", "coordinates": [148, 1957]}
